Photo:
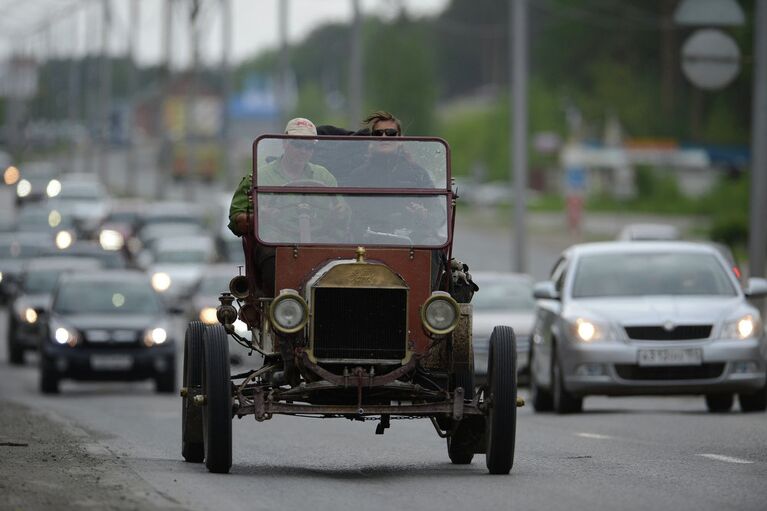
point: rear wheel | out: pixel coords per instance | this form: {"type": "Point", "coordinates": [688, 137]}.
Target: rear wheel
{"type": "Point", "coordinates": [719, 403]}
{"type": "Point", "coordinates": [754, 402]}
{"type": "Point", "coordinates": [563, 401]}
{"type": "Point", "coordinates": [192, 448]}
{"type": "Point", "coordinates": [217, 411]}
{"type": "Point", "coordinates": [501, 425]}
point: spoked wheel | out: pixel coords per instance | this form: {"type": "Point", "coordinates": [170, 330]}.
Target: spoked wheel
{"type": "Point", "coordinates": [192, 448]}
{"type": "Point", "coordinates": [501, 425]}
{"type": "Point", "coordinates": [217, 411]}
{"type": "Point", "coordinates": [719, 403]}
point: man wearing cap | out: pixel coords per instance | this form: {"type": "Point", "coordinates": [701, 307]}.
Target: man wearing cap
{"type": "Point", "coordinates": [293, 165]}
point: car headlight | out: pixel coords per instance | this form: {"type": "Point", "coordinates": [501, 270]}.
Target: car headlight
{"type": "Point", "coordinates": [161, 281]}
{"type": "Point", "coordinates": [110, 239]}
{"type": "Point", "coordinates": [745, 327]}
{"type": "Point", "coordinates": [64, 239]}
{"type": "Point", "coordinates": [53, 188]}
{"type": "Point", "coordinates": [288, 312]}
{"type": "Point", "coordinates": [154, 336]}
{"type": "Point", "coordinates": [586, 330]}
{"type": "Point", "coordinates": [440, 313]}
{"type": "Point", "coordinates": [11, 175]}
{"type": "Point", "coordinates": [208, 315]}
{"type": "Point", "coordinates": [64, 335]}
{"type": "Point", "coordinates": [24, 188]}
{"type": "Point", "coordinates": [30, 315]}
{"type": "Point", "coordinates": [1, 276]}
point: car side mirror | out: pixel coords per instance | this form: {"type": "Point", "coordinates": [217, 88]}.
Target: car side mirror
{"type": "Point", "coordinates": [756, 287]}
{"type": "Point", "coordinates": [546, 290]}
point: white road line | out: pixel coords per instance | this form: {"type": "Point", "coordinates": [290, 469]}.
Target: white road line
{"type": "Point", "coordinates": [593, 435]}
{"type": "Point", "coordinates": [728, 459]}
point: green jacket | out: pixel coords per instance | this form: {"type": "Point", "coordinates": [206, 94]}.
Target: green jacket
{"type": "Point", "coordinates": [272, 174]}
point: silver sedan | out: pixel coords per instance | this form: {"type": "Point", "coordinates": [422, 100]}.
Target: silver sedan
{"type": "Point", "coordinates": [622, 318]}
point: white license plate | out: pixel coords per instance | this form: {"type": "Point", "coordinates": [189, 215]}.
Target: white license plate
{"type": "Point", "coordinates": [111, 362]}
{"type": "Point", "coordinates": [671, 357]}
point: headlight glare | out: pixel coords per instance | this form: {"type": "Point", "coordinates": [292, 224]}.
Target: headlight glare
{"type": "Point", "coordinates": [110, 239]}
{"type": "Point", "coordinates": [745, 327]}
{"type": "Point", "coordinates": [586, 330]}
{"type": "Point", "coordinates": [208, 315]}
{"type": "Point", "coordinates": [155, 336]}
{"type": "Point", "coordinates": [30, 315]}
{"type": "Point", "coordinates": [53, 188]}
{"type": "Point", "coordinates": [63, 239]}
{"type": "Point", "coordinates": [161, 281]}
{"type": "Point", "coordinates": [64, 335]}
{"type": "Point", "coordinates": [24, 188]}
{"type": "Point", "coordinates": [440, 313]}
{"type": "Point", "coordinates": [289, 312]}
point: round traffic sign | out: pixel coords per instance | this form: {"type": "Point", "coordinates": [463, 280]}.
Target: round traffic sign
{"type": "Point", "coordinates": [710, 59]}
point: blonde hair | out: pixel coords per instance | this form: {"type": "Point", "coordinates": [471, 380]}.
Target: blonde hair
{"type": "Point", "coordinates": [380, 115]}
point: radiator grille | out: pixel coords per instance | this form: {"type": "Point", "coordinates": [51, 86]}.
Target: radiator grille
{"type": "Point", "coordinates": [701, 372]}
{"type": "Point", "coordinates": [678, 333]}
{"type": "Point", "coordinates": [360, 323]}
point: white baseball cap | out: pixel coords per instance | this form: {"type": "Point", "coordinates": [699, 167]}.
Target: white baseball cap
{"type": "Point", "coordinates": [300, 126]}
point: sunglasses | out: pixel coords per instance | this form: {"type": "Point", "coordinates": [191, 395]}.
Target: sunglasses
{"type": "Point", "coordinates": [301, 144]}
{"type": "Point", "coordinates": [389, 132]}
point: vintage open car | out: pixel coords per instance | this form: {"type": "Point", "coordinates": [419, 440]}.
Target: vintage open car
{"type": "Point", "coordinates": [354, 302]}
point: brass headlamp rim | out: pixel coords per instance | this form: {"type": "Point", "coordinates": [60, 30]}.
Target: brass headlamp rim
{"type": "Point", "coordinates": [440, 295]}
{"type": "Point", "coordinates": [288, 294]}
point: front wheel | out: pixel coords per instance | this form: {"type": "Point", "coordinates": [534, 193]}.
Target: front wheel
{"type": "Point", "coordinates": [562, 400]}
{"type": "Point", "coordinates": [754, 402]}
{"type": "Point", "coordinates": [192, 448]}
{"type": "Point", "coordinates": [217, 411]}
{"type": "Point", "coordinates": [719, 403]}
{"type": "Point", "coordinates": [501, 425]}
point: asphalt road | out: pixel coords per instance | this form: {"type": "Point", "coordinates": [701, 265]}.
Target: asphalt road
{"type": "Point", "coordinates": [632, 453]}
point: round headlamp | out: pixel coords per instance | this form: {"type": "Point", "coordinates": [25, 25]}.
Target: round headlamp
{"type": "Point", "coordinates": [53, 188]}
{"type": "Point", "coordinates": [440, 313]}
{"type": "Point", "coordinates": [289, 312]}
{"type": "Point", "coordinates": [23, 188]}
{"type": "Point", "coordinates": [155, 336]}
{"type": "Point", "coordinates": [161, 281]}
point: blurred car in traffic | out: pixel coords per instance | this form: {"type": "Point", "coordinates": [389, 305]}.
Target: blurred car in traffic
{"type": "Point", "coordinates": [626, 318]}
{"type": "Point", "coordinates": [649, 232]}
{"type": "Point", "coordinates": [15, 250]}
{"type": "Point", "coordinates": [51, 224]}
{"type": "Point", "coordinates": [26, 325]}
{"type": "Point", "coordinates": [178, 263]}
{"type": "Point", "coordinates": [118, 229]}
{"type": "Point", "coordinates": [502, 299]}
{"type": "Point", "coordinates": [150, 234]}
{"type": "Point", "coordinates": [107, 325]}
{"type": "Point", "coordinates": [91, 249]}
{"type": "Point", "coordinates": [37, 181]}
{"type": "Point", "coordinates": [85, 200]}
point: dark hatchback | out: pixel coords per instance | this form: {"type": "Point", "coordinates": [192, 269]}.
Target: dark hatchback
{"type": "Point", "coordinates": [108, 325]}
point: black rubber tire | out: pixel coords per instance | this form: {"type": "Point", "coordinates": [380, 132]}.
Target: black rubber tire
{"type": "Point", "coordinates": [459, 447]}
{"type": "Point", "coordinates": [562, 400]}
{"type": "Point", "coordinates": [540, 398]}
{"type": "Point", "coordinates": [49, 380]}
{"type": "Point", "coordinates": [754, 402]}
{"type": "Point", "coordinates": [719, 403]}
{"type": "Point", "coordinates": [15, 352]}
{"type": "Point", "coordinates": [192, 444]}
{"type": "Point", "coordinates": [217, 412]}
{"type": "Point", "coordinates": [501, 425]}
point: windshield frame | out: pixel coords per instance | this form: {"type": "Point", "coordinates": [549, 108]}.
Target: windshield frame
{"type": "Point", "coordinates": [445, 190]}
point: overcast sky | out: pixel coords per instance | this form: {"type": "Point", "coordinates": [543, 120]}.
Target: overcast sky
{"type": "Point", "coordinates": [255, 24]}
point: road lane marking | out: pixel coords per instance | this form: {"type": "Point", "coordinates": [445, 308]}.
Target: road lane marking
{"type": "Point", "coordinates": [728, 459]}
{"type": "Point", "coordinates": [593, 435]}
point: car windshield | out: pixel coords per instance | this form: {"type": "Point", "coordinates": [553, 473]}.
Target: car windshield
{"type": "Point", "coordinates": [181, 256]}
{"type": "Point", "coordinates": [41, 281]}
{"type": "Point", "coordinates": [103, 297]}
{"type": "Point", "coordinates": [646, 273]}
{"type": "Point", "coordinates": [395, 192]}
{"type": "Point", "coordinates": [503, 295]}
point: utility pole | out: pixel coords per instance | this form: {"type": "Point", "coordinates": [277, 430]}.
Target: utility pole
{"type": "Point", "coordinates": [757, 241]}
{"type": "Point", "coordinates": [284, 60]}
{"type": "Point", "coordinates": [73, 107]}
{"type": "Point", "coordinates": [518, 115]}
{"type": "Point", "coordinates": [131, 183]}
{"type": "Point", "coordinates": [230, 175]}
{"type": "Point", "coordinates": [355, 67]}
{"type": "Point", "coordinates": [105, 97]}
{"type": "Point", "coordinates": [191, 102]}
